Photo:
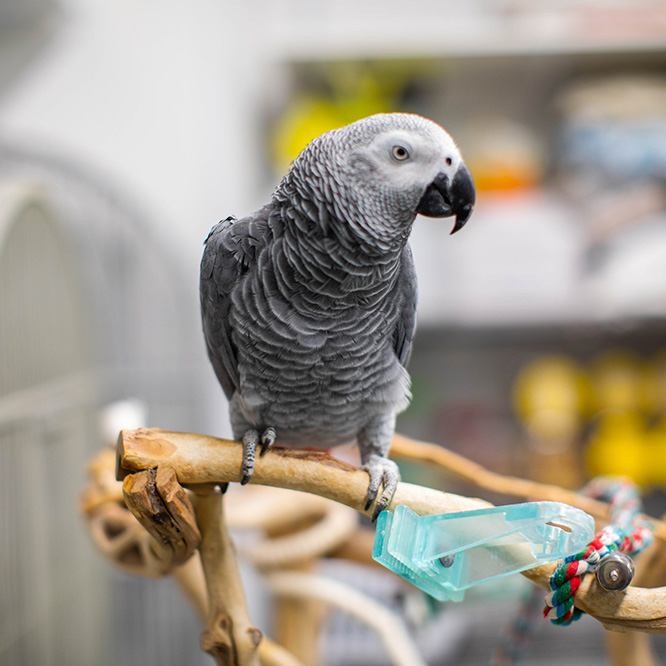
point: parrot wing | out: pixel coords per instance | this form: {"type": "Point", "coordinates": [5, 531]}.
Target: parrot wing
{"type": "Point", "coordinates": [230, 252]}
{"type": "Point", "coordinates": [407, 294]}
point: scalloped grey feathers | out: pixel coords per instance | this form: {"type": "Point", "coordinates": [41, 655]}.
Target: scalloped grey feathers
{"type": "Point", "coordinates": [309, 304]}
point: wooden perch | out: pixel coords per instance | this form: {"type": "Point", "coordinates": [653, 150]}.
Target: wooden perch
{"type": "Point", "coordinates": [179, 526]}
{"type": "Point", "coordinates": [162, 506]}
{"type": "Point", "coordinates": [201, 459]}
{"type": "Point", "coordinates": [398, 644]}
{"type": "Point", "coordinates": [229, 636]}
{"type": "Point", "coordinates": [466, 470]}
{"type": "Point", "coordinates": [145, 546]}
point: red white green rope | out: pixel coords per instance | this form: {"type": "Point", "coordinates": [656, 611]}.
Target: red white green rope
{"type": "Point", "coordinates": [628, 534]}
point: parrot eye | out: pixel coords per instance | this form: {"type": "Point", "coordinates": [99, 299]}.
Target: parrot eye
{"type": "Point", "coordinates": [400, 153]}
{"type": "Point", "coordinates": [449, 161]}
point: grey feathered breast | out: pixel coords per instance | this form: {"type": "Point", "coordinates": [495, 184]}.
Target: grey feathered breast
{"type": "Point", "coordinates": [304, 335]}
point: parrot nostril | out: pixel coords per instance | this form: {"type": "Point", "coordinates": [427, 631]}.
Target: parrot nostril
{"type": "Point", "coordinates": [449, 161]}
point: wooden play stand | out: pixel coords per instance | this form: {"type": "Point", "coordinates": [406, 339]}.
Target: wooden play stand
{"type": "Point", "coordinates": [169, 517]}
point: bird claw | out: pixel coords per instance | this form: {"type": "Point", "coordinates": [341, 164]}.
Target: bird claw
{"type": "Point", "coordinates": [267, 440]}
{"type": "Point", "coordinates": [382, 472]}
{"type": "Point", "coordinates": [251, 441]}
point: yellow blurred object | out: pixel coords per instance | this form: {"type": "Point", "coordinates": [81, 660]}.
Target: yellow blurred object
{"type": "Point", "coordinates": [553, 397]}
{"type": "Point", "coordinates": [356, 96]}
{"type": "Point", "coordinates": [549, 396]}
{"type": "Point", "coordinates": [356, 90]}
{"type": "Point", "coordinates": [621, 381]}
{"type": "Point", "coordinates": [619, 447]}
{"type": "Point", "coordinates": [655, 455]}
{"type": "Point", "coordinates": [655, 384]}
{"type": "Point", "coordinates": [626, 391]}
{"type": "Point", "coordinates": [304, 120]}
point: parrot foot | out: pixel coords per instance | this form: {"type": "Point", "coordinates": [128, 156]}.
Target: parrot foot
{"type": "Point", "coordinates": [382, 472]}
{"type": "Point", "coordinates": [251, 441]}
{"type": "Point", "coordinates": [267, 440]}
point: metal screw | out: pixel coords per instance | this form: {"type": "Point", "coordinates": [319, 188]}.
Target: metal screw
{"type": "Point", "coordinates": [447, 561]}
{"type": "Point", "coordinates": [615, 572]}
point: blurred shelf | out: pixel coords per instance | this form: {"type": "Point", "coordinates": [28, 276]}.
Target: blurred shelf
{"type": "Point", "coordinates": [523, 263]}
{"type": "Point", "coordinates": [526, 261]}
{"type": "Point", "coordinates": [651, 330]}
{"type": "Point", "coordinates": [424, 28]}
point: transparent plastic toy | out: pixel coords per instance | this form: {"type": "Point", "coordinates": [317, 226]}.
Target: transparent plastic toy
{"type": "Point", "coordinates": [445, 554]}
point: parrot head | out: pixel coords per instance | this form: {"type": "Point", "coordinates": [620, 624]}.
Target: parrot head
{"type": "Point", "coordinates": [414, 157]}
{"type": "Point", "coordinates": [387, 168]}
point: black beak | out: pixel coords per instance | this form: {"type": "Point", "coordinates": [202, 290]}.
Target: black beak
{"type": "Point", "coordinates": [444, 197]}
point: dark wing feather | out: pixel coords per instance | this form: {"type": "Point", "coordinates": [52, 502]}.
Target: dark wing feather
{"type": "Point", "coordinates": [406, 293]}
{"type": "Point", "coordinates": [230, 251]}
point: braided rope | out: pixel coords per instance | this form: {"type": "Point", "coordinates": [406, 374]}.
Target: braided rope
{"type": "Point", "coordinates": [628, 534]}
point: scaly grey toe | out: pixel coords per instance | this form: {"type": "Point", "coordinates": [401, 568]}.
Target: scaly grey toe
{"type": "Point", "coordinates": [250, 443]}
{"type": "Point", "coordinates": [383, 473]}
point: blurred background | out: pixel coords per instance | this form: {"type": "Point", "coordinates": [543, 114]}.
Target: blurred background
{"type": "Point", "coordinates": [127, 129]}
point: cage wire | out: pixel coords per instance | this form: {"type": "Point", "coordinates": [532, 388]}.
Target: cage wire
{"type": "Point", "coordinates": [93, 309]}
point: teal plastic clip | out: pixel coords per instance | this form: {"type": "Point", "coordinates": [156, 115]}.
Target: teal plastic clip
{"type": "Point", "coordinates": [447, 553]}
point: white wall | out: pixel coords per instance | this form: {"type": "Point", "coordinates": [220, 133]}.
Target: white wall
{"type": "Point", "coordinates": [156, 94]}
{"type": "Point", "coordinates": [161, 98]}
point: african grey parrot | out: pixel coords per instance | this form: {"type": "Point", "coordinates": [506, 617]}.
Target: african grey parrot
{"type": "Point", "coordinates": [308, 304]}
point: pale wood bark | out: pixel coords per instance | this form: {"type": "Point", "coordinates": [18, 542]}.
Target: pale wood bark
{"type": "Point", "coordinates": [202, 459]}
{"type": "Point", "coordinates": [298, 623]}
{"type": "Point", "coordinates": [198, 459]}
{"type": "Point", "coordinates": [191, 581]}
{"type": "Point", "coordinates": [634, 647]}
{"type": "Point", "coordinates": [229, 636]}
{"type": "Point", "coordinates": [162, 506]}
{"type": "Point", "coordinates": [397, 642]}
{"type": "Point", "coordinates": [467, 470]}
{"type": "Point", "coordinates": [127, 544]}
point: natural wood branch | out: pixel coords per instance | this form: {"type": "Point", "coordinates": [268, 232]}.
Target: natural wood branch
{"type": "Point", "coordinates": [189, 578]}
{"type": "Point", "coordinates": [103, 487]}
{"type": "Point", "coordinates": [615, 609]}
{"type": "Point", "coordinates": [229, 636]}
{"type": "Point", "coordinates": [125, 542]}
{"type": "Point", "coordinates": [116, 531]}
{"type": "Point", "coordinates": [466, 470]}
{"type": "Point", "coordinates": [395, 638]}
{"type": "Point", "coordinates": [459, 467]}
{"type": "Point", "coordinates": [192, 583]}
{"type": "Point", "coordinates": [162, 506]}
{"type": "Point", "coordinates": [632, 647]}
{"type": "Point", "coordinates": [273, 654]}
{"type": "Point", "coordinates": [306, 542]}
{"type": "Point", "coordinates": [200, 459]}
